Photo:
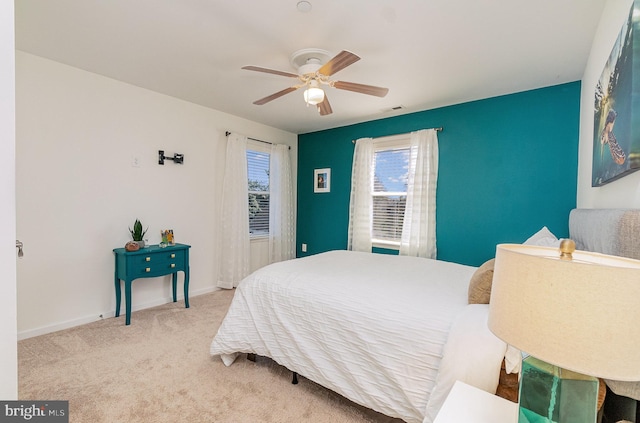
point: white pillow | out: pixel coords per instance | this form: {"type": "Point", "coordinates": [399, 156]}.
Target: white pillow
{"type": "Point", "coordinates": [543, 238]}
{"type": "Point", "coordinates": [472, 354]}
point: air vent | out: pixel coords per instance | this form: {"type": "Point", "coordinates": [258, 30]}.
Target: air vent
{"type": "Point", "coordinates": [394, 108]}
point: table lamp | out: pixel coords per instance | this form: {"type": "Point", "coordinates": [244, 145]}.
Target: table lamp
{"type": "Point", "coordinates": [577, 316]}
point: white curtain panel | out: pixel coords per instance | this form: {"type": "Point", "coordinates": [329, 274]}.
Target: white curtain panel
{"type": "Point", "coordinates": [234, 254]}
{"type": "Point", "coordinates": [281, 206]}
{"type": "Point", "coordinates": [361, 205]}
{"type": "Point", "coordinates": [419, 226]}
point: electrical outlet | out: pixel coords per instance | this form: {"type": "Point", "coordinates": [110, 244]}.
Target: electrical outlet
{"type": "Point", "coordinates": [304, 248]}
{"type": "Point", "coordinates": [135, 161]}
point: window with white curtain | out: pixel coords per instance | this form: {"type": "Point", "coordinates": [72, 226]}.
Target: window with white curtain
{"type": "Point", "coordinates": [393, 194]}
{"type": "Point", "coordinates": [391, 167]}
{"type": "Point", "coordinates": [258, 187]}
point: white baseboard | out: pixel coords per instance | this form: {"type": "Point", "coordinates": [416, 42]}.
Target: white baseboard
{"type": "Point", "coordinates": [88, 319]}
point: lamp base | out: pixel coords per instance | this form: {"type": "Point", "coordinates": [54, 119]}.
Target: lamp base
{"type": "Point", "coordinates": [551, 394]}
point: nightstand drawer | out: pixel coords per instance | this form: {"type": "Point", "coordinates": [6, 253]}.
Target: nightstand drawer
{"type": "Point", "coordinates": [153, 268]}
{"type": "Point", "coordinates": [152, 263]}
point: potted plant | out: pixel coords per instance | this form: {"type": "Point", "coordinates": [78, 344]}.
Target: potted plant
{"type": "Point", "coordinates": [137, 233]}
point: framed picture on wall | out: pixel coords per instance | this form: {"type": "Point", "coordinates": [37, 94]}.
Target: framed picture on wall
{"type": "Point", "coordinates": [322, 180]}
{"type": "Point", "coordinates": [616, 148]}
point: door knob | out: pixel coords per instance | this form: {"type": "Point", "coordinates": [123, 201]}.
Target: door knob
{"type": "Point", "coordinates": [19, 246]}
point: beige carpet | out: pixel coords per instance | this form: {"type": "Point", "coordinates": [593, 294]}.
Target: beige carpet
{"type": "Point", "coordinates": [159, 369]}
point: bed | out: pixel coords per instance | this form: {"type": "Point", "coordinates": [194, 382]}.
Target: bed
{"type": "Point", "coordinates": [390, 333]}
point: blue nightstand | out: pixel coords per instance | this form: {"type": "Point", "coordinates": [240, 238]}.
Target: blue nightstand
{"type": "Point", "coordinates": [150, 262]}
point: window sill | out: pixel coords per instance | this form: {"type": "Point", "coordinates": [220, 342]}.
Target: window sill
{"type": "Point", "coordinates": [389, 245]}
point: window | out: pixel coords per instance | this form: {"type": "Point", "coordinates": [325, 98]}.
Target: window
{"type": "Point", "coordinates": [258, 180]}
{"type": "Point", "coordinates": [391, 166]}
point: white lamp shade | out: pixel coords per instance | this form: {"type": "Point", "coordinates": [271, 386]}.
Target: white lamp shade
{"type": "Point", "coordinates": [313, 95]}
{"type": "Point", "coordinates": [581, 314]}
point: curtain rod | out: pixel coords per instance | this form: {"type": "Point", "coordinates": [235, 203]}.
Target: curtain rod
{"type": "Point", "coordinates": [227, 133]}
{"type": "Point", "coordinates": [438, 129]}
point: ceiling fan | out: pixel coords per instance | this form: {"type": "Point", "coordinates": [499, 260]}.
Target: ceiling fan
{"type": "Point", "coordinates": [314, 71]}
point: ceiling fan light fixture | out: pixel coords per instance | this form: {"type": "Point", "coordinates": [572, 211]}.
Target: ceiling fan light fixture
{"type": "Point", "coordinates": [313, 95]}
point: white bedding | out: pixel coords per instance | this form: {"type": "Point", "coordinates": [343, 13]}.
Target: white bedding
{"type": "Point", "coordinates": [370, 327]}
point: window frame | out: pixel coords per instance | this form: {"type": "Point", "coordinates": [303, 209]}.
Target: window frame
{"type": "Point", "coordinates": [263, 148]}
{"type": "Point", "coordinates": [393, 142]}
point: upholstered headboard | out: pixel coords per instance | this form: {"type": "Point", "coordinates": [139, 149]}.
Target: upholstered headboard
{"type": "Point", "coordinates": [609, 231]}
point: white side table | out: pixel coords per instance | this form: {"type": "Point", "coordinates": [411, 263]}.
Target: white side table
{"type": "Point", "coordinates": [467, 404]}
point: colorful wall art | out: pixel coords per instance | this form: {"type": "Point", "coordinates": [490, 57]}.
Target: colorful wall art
{"type": "Point", "coordinates": [616, 138]}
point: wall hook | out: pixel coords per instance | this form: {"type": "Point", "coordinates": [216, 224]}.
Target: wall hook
{"type": "Point", "coordinates": [177, 158]}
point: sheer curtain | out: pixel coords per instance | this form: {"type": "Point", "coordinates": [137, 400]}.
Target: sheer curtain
{"type": "Point", "coordinates": [361, 205]}
{"type": "Point", "coordinates": [281, 207]}
{"type": "Point", "coordinates": [419, 225]}
{"type": "Point", "coordinates": [234, 254]}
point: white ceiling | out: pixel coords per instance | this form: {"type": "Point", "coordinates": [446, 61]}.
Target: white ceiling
{"type": "Point", "coordinates": [429, 53]}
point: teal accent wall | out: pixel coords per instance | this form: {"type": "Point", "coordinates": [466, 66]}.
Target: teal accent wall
{"type": "Point", "coordinates": [507, 166]}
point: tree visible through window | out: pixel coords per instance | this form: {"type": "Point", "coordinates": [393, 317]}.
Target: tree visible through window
{"type": "Point", "coordinates": [391, 168]}
{"type": "Point", "coordinates": [258, 187]}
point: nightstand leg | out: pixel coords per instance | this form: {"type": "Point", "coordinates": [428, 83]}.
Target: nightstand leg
{"type": "Point", "coordinates": [118, 296]}
{"type": "Point", "coordinates": [174, 279]}
{"type": "Point", "coordinates": [186, 287]}
{"type": "Point", "coordinates": [127, 298]}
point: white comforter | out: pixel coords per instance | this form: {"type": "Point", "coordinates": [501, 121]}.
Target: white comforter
{"type": "Point", "coordinates": [373, 328]}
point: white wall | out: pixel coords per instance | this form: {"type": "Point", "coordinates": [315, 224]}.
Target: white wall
{"type": "Point", "coordinates": [78, 192]}
{"type": "Point", "coordinates": [8, 350]}
{"type": "Point", "coordinates": [624, 192]}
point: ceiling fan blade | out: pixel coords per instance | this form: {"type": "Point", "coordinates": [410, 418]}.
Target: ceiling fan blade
{"type": "Point", "coordinates": [361, 88]}
{"type": "Point", "coordinates": [273, 71]}
{"type": "Point", "coordinates": [275, 95]}
{"type": "Point", "coordinates": [325, 108]}
{"type": "Point", "coordinates": [339, 62]}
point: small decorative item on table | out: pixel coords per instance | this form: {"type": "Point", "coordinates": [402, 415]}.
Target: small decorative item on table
{"type": "Point", "coordinates": [167, 237]}
{"type": "Point", "coordinates": [132, 246]}
{"type": "Point", "coordinates": [137, 234]}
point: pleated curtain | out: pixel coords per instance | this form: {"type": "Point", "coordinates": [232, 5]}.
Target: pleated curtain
{"type": "Point", "coordinates": [419, 225]}
{"type": "Point", "coordinates": [234, 249]}
{"type": "Point", "coordinates": [281, 205]}
{"type": "Point", "coordinates": [361, 203]}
